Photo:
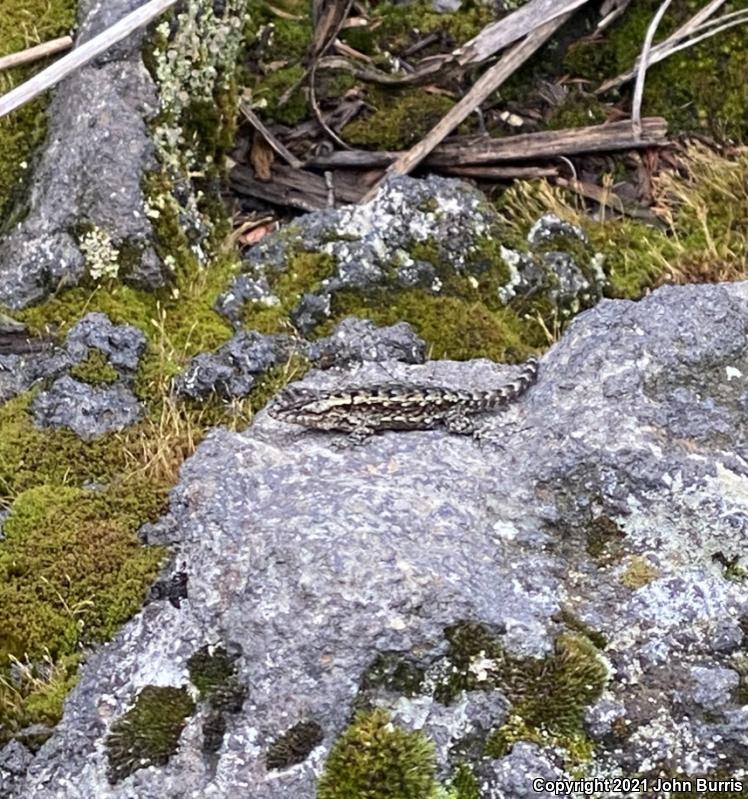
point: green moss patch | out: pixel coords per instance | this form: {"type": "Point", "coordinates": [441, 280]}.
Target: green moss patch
{"type": "Point", "coordinates": [148, 734]}
{"type": "Point", "coordinates": [71, 572]}
{"type": "Point", "coordinates": [549, 698]}
{"type": "Point", "coordinates": [375, 759]}
{"type": "Point", "coordinates": [294, 746]}
{"type": "Point", "coordinates": [95, 369]}
{"type": "Point", "coordinates": [453, 327]}
{"type": "Point", "coordinates": [700, 88]}
{"type": "Point", "coordinates": [402, 118]}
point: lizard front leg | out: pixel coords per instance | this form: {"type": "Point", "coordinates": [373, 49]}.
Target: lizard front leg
{"type": "Point", "coordinates": [359, 435]}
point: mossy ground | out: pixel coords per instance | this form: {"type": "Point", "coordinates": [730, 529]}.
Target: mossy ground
{"type": "Point", "coordinates": [701, 88]}
{"type": "Point", "coordinates": [73, 569]}
{"type": "Point", "coordinates": [703, 235]}
{"type": "Point", "coordinates": [24, 24]}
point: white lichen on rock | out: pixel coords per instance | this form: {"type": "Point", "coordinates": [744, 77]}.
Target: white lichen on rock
{"type": "Point", "coordinates": [100, 252]}
{"type": "Point", "coordinates": [194, 59]}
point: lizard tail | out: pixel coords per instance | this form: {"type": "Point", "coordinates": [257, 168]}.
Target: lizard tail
{"type": "Point", "coordinates": [511, 391]}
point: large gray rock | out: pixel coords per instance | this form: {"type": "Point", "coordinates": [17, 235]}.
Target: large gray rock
{"type": "Point", "coordinates": [609, 498]}
{"type": "Point", "coordinates": [90, 169]}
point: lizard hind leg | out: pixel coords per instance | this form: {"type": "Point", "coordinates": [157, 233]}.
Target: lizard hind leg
{"type": "Point", "coordinates": [359, 435]}
{"type": "Point", "coordinates": [460, 423]}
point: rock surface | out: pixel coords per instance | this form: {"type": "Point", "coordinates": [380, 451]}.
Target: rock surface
{"type": "Point", "coordinates": [90, 170]}
{"type": "Point", "coordinates": [418, 234]}
{"type": "Point", "coordinates": [612, 499]}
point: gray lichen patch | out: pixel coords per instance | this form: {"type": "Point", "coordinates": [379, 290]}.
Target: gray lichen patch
{"type": "Point", "coordinates": [148, 734]}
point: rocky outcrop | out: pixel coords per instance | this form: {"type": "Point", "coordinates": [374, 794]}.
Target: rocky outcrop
{"type": "Point", "coordinates": [568, 595]}
{"type": "Point", "coordinates": [86, 178]}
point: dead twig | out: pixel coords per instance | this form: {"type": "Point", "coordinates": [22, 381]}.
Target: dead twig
{"type": "Point", "coordinates": [483, 88]}
{"type": "Point", "coordinates": [462, 151]}
{"type": "Point", "coordinates": [36, 53]}
{"type": "Point", "coordinates": [81, 55]}
{"type": "Point", "coordinates": [524, 21]}
{"type": "Point", "coordinates": [329, 16]}
{"type": "Point", "coordinates": [279, 148]}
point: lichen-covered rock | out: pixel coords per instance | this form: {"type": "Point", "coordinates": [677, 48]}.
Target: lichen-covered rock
{"type": "Point", "coordinates": [233, 369]}
{"type": "Point", "coordinates": [85, 174]}
{"type": "Point", "coordinates": [357, 340]}
{"type": "Point", "coordinates": [371, 244]}
{"type": "Point", "coordinates": [89, 411]}
{"type": "Point", "coordinates": [580, 574]}
{"type": "Point", "coordinates": [14, 760]}
{"type": "Point", "coordinates": [432, 238]}
{"type": "Point", "coordinates": [122, 345]}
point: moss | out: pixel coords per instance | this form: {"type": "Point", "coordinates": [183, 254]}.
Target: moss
{"type": "Point", "coordinates": [23, 24]}
{"type": "Point", "coordinates": [572, 622]}
{"type": "Point", "coordinates": [71, 572]}
{"type": "Point", "coordinates": [454, 328]}
{"type": "Point", "coordinates": [394, 671]}
{"type": "Point", "coordinates": [604, 538]}
{"type": "Point", "coordinates": [30, 457]}
{"type": "Point", "coordinates": [294, 746]}
{"type": "Point", "coordinates": [95, 369]}
{"type": "Point", "coordinates": [374, 759]}
{"type": "Point", "coordinates": [464, 784]}
{"type": "Point", "coordinates": [303, 272]}
{"type": "Point", "coordinates": [147, 734]}
{"type": "Point", "coordinates": [271, 90]}
{"type": "Point", "coordinates": [638, 572]}
{"type": "Point", "coordinates": [548, 695]}
{"type": "Point", "coordinates": [64, 546]}
{"type": "Point", "coordinates": [577, 111]}
{"type": "Point", "coordinates": [402, 25]}
{"type": "Point", "coordinates": [549, 701]}
{"type": "Point", "coordinates": [401, 118]}
{"type": "Point", "coordinates": [209, 669]}
{"type": "Point", "coordinates": [291, 31]}
{"type": "Point", "coordinates": [701, 88]}
{"type": "Point", "coordinates": [703, 208]}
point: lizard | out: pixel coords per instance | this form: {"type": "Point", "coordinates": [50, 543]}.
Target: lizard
{"type": "Point", "coordinates": [362, 411]}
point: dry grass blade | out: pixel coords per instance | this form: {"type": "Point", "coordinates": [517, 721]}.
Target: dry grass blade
{"type": "Point", "coordinates": [636, 105]}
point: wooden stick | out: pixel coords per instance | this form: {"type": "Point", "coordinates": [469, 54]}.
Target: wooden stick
{"type": "Point", "coordinates": [512, 27]}
{"type": "Point", "coordinates": [508, 172]}
{"type": "Point", "coordinates": [279, 148]}
{"type": "Point", "coordinates": [470, 150]}
{"type": "Point", "coordinates": [36, 53]}
{"type": "Point", "coordinates": [483, 88]}
{"type": "Point", "coordinates": [81, 55]}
